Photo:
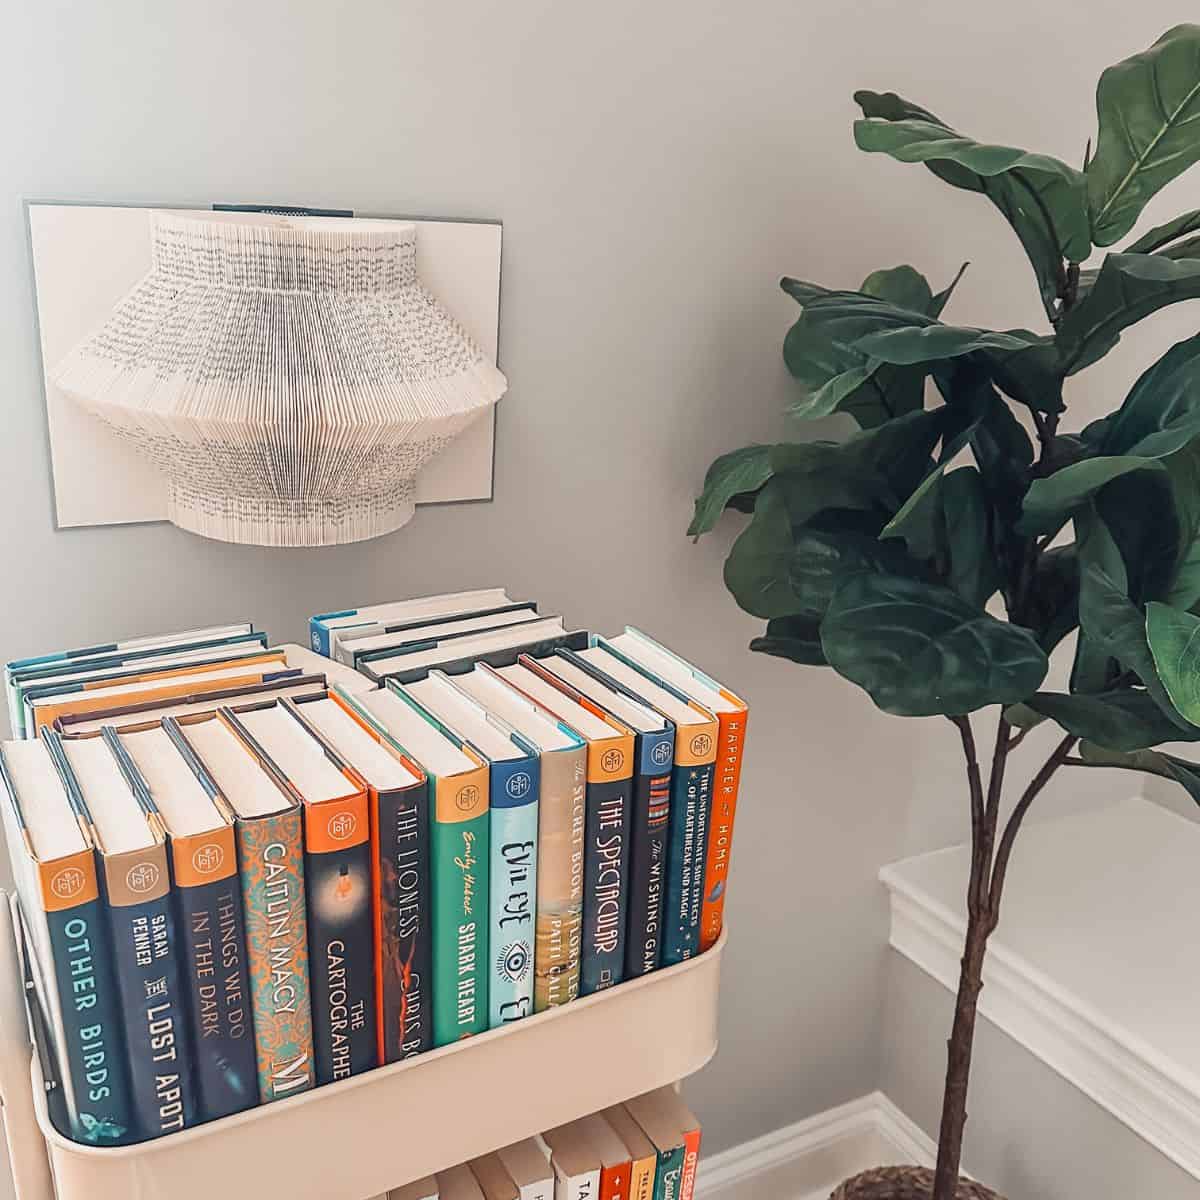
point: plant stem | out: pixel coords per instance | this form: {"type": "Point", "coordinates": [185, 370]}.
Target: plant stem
{"type": "Point", "coordinates": [984, 893]}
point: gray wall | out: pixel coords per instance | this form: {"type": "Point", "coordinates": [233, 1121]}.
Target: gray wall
{"type": "Point", "coordinates": [657, 167]}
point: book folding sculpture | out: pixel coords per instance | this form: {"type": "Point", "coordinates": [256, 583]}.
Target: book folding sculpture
{"type": "Point", "coordinates": [289, 376]}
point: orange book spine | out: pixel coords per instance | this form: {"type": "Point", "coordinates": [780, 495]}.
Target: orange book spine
{"type": "Point", "coordinates": [691, 1157]}
{"type": "Point", "coordinates": [727, 778]}
{"type": "Point", "coordinates": [614, 1182]}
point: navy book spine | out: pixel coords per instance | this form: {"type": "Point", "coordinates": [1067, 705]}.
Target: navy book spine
{"type": "Point", "coordinates": [405, 952]}
{"type": "Point", "coordinates": [691, 808]}
{"type": "Point", "coordinates": [648, 851]}
{"type": "Point", "coordinates": [605, 884]}
{"type": "Point", "coordinates": [341, 952]}
{"type": "Point", "coordinates": [102, 1109]}
{"type": "Point", "coordinates": [213, 930]}
{"type": "Point", "coordinates": [146, 957]}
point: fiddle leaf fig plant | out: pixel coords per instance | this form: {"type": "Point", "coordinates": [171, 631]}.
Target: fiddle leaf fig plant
{"type": "Point", "coordinates": [940, 555]}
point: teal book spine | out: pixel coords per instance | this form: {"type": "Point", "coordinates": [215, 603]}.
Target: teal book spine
{"type": "Point", "coordinates": [691, 807]}
{"type": "Point", "coordinates": [513, 888]}
{"type": "Point", "coordinates": [668, 1174]}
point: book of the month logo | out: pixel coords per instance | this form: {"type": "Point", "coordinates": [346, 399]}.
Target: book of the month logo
{"type": "Point", "coordinates": [342, 826]}
{"type": "Point", "coordinates": [701, 744]}
{"type": "Point", "coordinates": [661, 754]}
{"type": "Point", "coordinates": [518, 785]}
{"type": "Point", "coordinates": [68, 883]}
{"type": "Point", "coordinates": [467, 798]}
{"type": "Point", "coordinates": [141, 878]}
{"type": "Point", "coordinates": [208, 858]}
{"type": "Point", "coordinates": [613, 760]}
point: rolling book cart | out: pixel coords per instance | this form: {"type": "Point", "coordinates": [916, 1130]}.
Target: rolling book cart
{"type": "Point", "coordinates": [384, 1128]}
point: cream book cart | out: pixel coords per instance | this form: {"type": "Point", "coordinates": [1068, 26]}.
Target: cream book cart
{"type": "Point", "coordinates": [382, 1129]}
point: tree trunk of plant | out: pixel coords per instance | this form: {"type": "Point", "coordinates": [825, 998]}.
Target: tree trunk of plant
{"type": "Point", "coordinates": [958, 1069]}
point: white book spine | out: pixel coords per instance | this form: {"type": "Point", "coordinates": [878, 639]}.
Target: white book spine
{"type": "Point", "coordinates": [577, 1187]}
{"type": "Point", "coordinates": [541, 1189]}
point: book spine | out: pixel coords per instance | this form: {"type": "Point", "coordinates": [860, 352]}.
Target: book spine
{"type": "Point", "coordinates": [341, 936]}
{"type": "Point", "coordinates": [648, 852]}
{"type": "Point", "coordinates": [513, 885]}
{"type": "Point", "coordinates": [404, 939]}
{"type": "Point", "coordinates": [460, 906]}
{"type": "Point", "coordinates": [691, 1158]}
{"type": "Point", "coordinates": [146, 960]}
{"type": "Point", "coordinates": [562, 806]}
{"type": "Point", "coordinates": [99, 1102]}
{"type": "Point", "coordinates": [641, 1179]}
{"type": "Point", "coordinates": [691, 797]}
{"type": "Point", "coordinates": [213, 935]}
{"type": "Point", "coordinates": [271, 856]}
{"type": "Point", "coordinates": [585, 1186]}
{"type": "Point", "coordinates": [668, 1174]}
{"type": "Point", "coordinates": [614, 1182]}
{"type": "Point", "coordinates": [731, 738]}
{"type": "Point", "coordinates": [605, 881]}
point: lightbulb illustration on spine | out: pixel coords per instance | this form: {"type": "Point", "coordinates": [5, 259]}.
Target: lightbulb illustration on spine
{"type": "Point", "coordinates": [341, 894]}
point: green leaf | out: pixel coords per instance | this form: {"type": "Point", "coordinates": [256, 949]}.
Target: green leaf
{"type": "Point", "coordinates": [1139, 512]}
{"type": "Point", "coordinates": [802, 291]}
{"type": "Point", "coordinates": [1128, 288]}
{"type": "Point", "coordinates": [1043, 200]}
{"type": "Point", "coordinates": [973, 573]}
{"type": "Point", "coordinates": [1004, 453]}
{"type": "Point", "coordinates": [1152, 762]}
{"type": "Point", "coordinates": [1174, 638]}
{"type": "Point", "coordinates": [939, 302]}
{"type": "Point", "coordinates": [794, 638]}
{"type": "Point", "coordinates": [734, 474]}
{"type": "Point", "coordinates": [903, 285]}
{"type": "Point", "coordinates": [819, 348]}
{"type": "Point", "coordinates": [1183, 472]}
{"type": "Point", "coordinates": [1050, 500]}
{"type": "Point", "coordinates": [1117, 720]}
{"type": "Point", "coordinates": [906, 345]}
{"type": "Point", "coordinates": [918, 523]}
{"type": "Point", "coordinates": [890, 392]}
{"type": "Point", "coordinates": [1147, 107]}
{"type": "Point", "coordinates": [1117, 627]}
{"type": "Point", "coordinates": [1101, 573]}
{"type": "Point", "coordinates": [1162, 396]}
{"type": "Point", "coordinates": [758, 568]}
{"type": "Point", "coordinates": [1163, 235]}
{"type": "Point", "coordinates": [919, 650]}
{"type": "Point", "coordinates": [1032, 376]}
{"type": "Point", "coordinates": [1021, 716]}
{"type": "Point", "coordinates": [1052, 604]}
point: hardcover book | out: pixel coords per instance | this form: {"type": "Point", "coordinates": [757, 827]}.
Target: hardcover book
{"type": "Point", "coordinates": [528, 1166]}
{"type": "Point", "coordinates": [732, 715]}
{"type": "Point", "coordinates": [111, 654]}
{"type": "Point", "coordinates": [458, 780]}
{"type": "Point", "coordinates": [616, 1163]}
{"type": "Point", "coordinates": [458, 1183]}
{"type": "Point", "coordinates": [493, 1178]}
{"type": "Point", "coordinates": [44, 704]}
{"type": "Point", "coordinates": [696, 733]}
{"type": "Point", "coordinates": [270, 845]}
{"type": "Point", "coordinates": [400, 637]}
{"type": "Point", "coordinates": [327, 629]}
{"type": "Point", "coordinates": [576, 1163]}
{"type": "Point", "coordinates": [608, 802]}
{"type": "Point", "coordinates": [419, 1189]}
{"type": "Point", "coordinates": [514, 769]}
{"type": "Point", "coordinates": [135, 882]}
{"type": "Point", "coordinates": [675, 1133]}
{"type": "Point", "coordinates": [561, 824]}
{"type": "Point", "coordinates": [69, 951]}
{"type": "Point", "coordinates": [398, 798]}
{"type": "Point", "coordinates": [653, 752]}
{"type": "Point", "coordinates": [417, 661]}
{"type": "Point", "coordinates": [208, 915]}
{"type": "Point", "coordinates": [642, 1155]}
{"type": "Point", "coordinates": [337, 881]}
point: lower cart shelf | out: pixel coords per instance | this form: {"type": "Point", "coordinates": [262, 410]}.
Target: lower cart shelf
{"type": "Point", "coordinates": [379, 1130]}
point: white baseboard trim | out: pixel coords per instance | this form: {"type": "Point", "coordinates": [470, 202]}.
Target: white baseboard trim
{"type": "Point", "coordinates": [807, 1160]}
{"type": "Point", "coordinates": [1071, 1030]}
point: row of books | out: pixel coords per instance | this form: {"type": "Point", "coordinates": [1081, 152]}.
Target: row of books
{"type": "Point", "coordinates": [275, 883]}
{"type": "Point", "coordinates": [646, 1149]}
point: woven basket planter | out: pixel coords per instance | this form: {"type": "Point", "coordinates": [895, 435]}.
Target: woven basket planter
{"type": "Point", "coordinates": [904, 1183]}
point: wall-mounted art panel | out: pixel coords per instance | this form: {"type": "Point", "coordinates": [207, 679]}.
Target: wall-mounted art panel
{"type": "Point", "coordinates": [263, 378]}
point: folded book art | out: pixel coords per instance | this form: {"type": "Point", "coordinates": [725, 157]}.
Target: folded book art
{"type": "Point", "coordinates": [288, 376]}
